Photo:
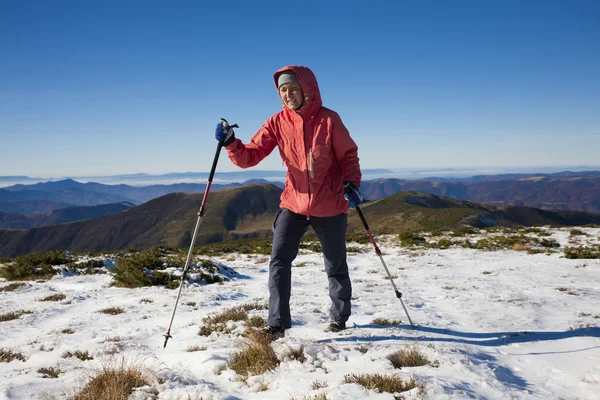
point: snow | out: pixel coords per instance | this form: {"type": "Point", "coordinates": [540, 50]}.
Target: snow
{"type": "Point", "coordinates": [508, 333]}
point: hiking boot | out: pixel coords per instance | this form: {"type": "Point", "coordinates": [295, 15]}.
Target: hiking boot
{"type": "Point", "coordinates": [336, 326]}
{"type": "Point", "coordinates": [273, 332]}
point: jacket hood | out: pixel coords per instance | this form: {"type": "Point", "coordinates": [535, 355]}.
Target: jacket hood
{"type": "Point", "coordinates": [310, 87]}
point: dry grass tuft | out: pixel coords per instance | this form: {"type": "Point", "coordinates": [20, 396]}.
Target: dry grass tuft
{"type": "Point", "coordinates": [486, 272]}
{"type": "Point", "coordinates": [7, 356]}
{"type": "Point", "coordinates": [362, 349]}
{"type": "Point", "coordinates": [68, 331]}
{"type": "Point", "coordinates": [317, 384]}
{"type": "Point", "coordinates": [257, 305]}
{"type": "Point", "coordinates": [82, 355]}
{"type": "Point", "coordinates": [382, 383]}
{"type": "Point", "coordinates": [13, 315]}
{"type": "Point", "coordinates": [49, 372]}
{"type": "Point", "coordinates": [521, 246]}
{"type": "Point", "coordinates": [296, 354]}
{"type": "Point", "coordinates": [191, 349]}
{"type": "Point", "coordinates": [12, 287]}
{"type": "Point", "coordinates": [320, 396]}
{"type": "Point", "coordinates": [386, 322]}
{"type": "Point", "coordinates": [112, 310]}
{"type": "Point", "coordinates": [146, 301]}
{"type": "Point", "coordinates": [257, 321]}
{"type": "Point", "coordinates": [408, 357]}
{"type": "Point", "coordinates": [54, 297]}
{"type": "Point", "coordinates": [113, 382]}
{"type": "Point", "coordinates": [256, 358]}
{"type": "Point", "coordinates": [218, 322]}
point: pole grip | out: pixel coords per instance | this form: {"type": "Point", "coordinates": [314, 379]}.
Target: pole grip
{"type": "Point", "coordinates": [216, 159]}
{"type": "Point", "coordinates": [362, 217]}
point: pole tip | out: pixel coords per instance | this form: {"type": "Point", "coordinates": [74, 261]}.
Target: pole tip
{"type": "Point", "coordinates": [167, 337]}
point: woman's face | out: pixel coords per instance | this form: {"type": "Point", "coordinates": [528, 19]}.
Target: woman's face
{"type": "Point", "coordinates": [291, 94]}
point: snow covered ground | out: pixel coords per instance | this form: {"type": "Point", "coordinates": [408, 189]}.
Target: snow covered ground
{"type": "Point", "coordinates": [494, 325]}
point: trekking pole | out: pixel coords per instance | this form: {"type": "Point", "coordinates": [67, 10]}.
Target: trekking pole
{"type": "Point", "coordinates": [378, 252]}
{"type": "Point", "coordinates": [198, 221]}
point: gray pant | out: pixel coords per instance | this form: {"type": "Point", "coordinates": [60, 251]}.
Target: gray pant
{"type": "Point", "coordinates": [288, 229]}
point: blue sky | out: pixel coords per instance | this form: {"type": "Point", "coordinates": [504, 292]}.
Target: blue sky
{"type": "Point", "coordinates": [105, 87]}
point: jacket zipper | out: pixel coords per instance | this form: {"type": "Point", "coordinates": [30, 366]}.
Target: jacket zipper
{"type": "Point", "coordinates": [311, 163]}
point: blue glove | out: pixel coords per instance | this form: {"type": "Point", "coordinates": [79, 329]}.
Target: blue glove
{"type": "Point", "coordinates": [352, 194]}
{"type": "Point", "coordinates": [224, 132]}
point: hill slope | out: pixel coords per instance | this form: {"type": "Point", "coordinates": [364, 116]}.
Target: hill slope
{"type": "Point", "coordinates": [69, 214]}
{"type": "Point", "coordinates": [168, 220]}
{"type": "Point", "coordinates": [248, 211]}
{"type": "Point", "coordinates": [581, 193]}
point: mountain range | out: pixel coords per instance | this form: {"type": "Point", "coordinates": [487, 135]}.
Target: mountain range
{"type": "Point", "coordinates": [577, 191]}
{"type": "Point", "coordinates": [68, 214]}
{"type": "Point", "coordinates": [248, 211]}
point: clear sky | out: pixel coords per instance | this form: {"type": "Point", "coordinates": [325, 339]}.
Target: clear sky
{"type": "Point", "coordinates": [114, 87]}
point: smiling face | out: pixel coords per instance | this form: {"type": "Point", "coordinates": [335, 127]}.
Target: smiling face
{"type": "Point", "coordinates": [291, 95]}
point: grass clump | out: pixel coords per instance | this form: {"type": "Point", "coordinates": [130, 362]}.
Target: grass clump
{"type": "Point", "coordinates": [381, 383]}
{"type": "Point", "coordinates": [89, 267]}
{"type": "Point", "coordinates": [256, 321]}
{"type": "Point", "coordinates": [463, 231]}
{"type": "Point", "coordinates": [409, 239]}
{"type": "Point", "coordinates": [582, 252]}
{"type": "Point", "coordinates": [502, 242]}
{"type": "Point", "coordinates": [131, 271]}
{"type": "Point", "coordinates": [192, 349]}
{"type": "Point", "coordinates": [7, 356]}
{"type": "Point", "coordinates": [112, 310]}
{"type": "Point", "coordinates": [408, 357]}
{"type": "Point", "coordinates": [218, 322]}
{"type": "Point", "coordinates": [317, 384]}
{"type": "Point", "coordinates": [38, 265]}
{"type": "Point", "coordinates": [576, 232]}
{"type": "Point", "coordinates": [80, 354]}
{"type": "Point", "coordinates": [146, 268]}
{"type": "Point", "coordinates": [256, 357]}
{"type": "Point", "coordinates": [49, 372]}
{"type": "Point", "coordinates": [315, 247]}
{"type": "Point", "coordinates": [12, 287]}
{"type": "Point", "coordinates": [549, 243]}
{"type": "Point", "coordinates": [531, 229]}
{"type": "Point", "coordinates": [67, 331]}
{"type": "Point", "coordinates": [296, 354]}
{"type": "Point", "coordinates": [9, 316]}
{"type": "Point", "coordinates": [386, 322]}
{"type": "Point", "coordinates": [54, 297]}
{"type": "Point", "coordinates": [440, 244]}
{"type": "Point", "coordinates": [360, 238]}
{"type": "Point", "coordinates": [113, 382]}
{"type": "Point", "coordinates": [248, 246]}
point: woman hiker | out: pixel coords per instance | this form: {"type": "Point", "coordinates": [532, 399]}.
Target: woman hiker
{"type": "Point", "coordinates": [323, 176]}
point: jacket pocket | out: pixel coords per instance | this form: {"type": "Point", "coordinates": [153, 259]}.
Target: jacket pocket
{"type": "Point", "coordinates": [319, 161]}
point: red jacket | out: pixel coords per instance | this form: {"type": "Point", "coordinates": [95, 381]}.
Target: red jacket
{"type": "Point", "coordinates": [316, 148]}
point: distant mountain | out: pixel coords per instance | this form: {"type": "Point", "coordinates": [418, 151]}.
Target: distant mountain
{"type": "Point", "coordinates": [416, 211]}
{"type": "Point", "coordinates": [72, 195]}
{"type": "Point", "coordinates": [31, 206]}
{"type": "Point", "coordinates": [563, 193]}
{"type": "Point", "coordinates": [70, 214]}
{"type": "Point", "coordinates": [17, 178]}
{"type": "Point", "coordinates": [66, 188]}
{"type": "Point", "coordinates": [169, 220]}
{"type": "Point", "coordinates": [514, 176]}
{"type": "Point", "coordinates": [248, 211]}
